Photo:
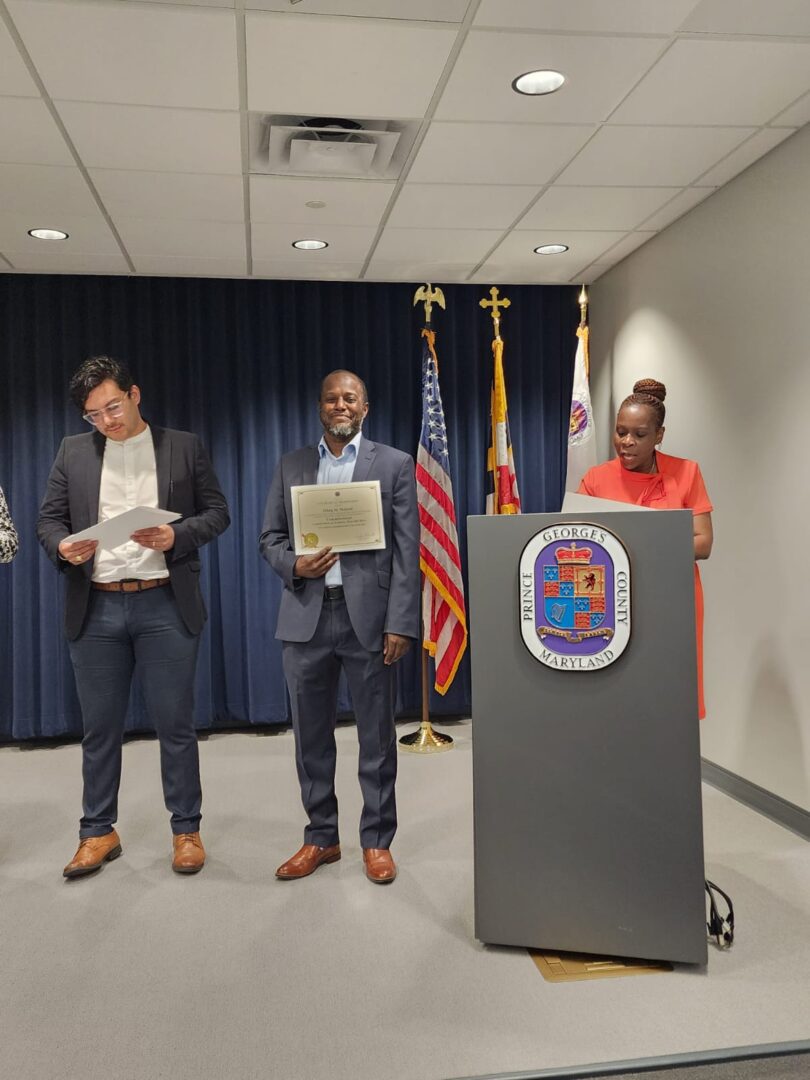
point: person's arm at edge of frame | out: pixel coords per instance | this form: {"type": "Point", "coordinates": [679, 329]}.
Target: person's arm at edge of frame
{"type": "Point", "coordinates": [9, 541]}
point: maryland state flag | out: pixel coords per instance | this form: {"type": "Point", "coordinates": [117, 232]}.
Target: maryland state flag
{"type": "Point", "coordinates": [502, 489]}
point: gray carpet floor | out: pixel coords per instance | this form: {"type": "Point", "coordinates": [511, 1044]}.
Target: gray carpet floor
{"type": "Point", "coordinates": [138, 973]}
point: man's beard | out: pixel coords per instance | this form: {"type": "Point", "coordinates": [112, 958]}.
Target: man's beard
{"type": "Point", "coordinates": [347, 430]}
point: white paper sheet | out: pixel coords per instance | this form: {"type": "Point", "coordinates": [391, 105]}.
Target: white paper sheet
{"type": "Point", "coordinates": [111, 534]}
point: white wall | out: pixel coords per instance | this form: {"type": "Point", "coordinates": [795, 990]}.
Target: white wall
{"type": "Point", "coordinates": [718, 307]}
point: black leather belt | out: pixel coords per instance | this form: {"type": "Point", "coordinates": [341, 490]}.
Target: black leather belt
{"type": "Point", "coordinates": [333, 592]}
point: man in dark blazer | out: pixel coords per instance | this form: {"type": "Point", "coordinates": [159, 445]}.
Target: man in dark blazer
{"type": "Point", "coordinates": [137, 607]}
{"type": "Point", "coordinates": [357, 612]}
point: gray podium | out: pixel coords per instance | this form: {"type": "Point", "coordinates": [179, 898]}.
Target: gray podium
{"type": "Point", "coordinates": [587, 801]}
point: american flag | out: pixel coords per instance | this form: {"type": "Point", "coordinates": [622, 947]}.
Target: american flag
{"type": "Point", "coordinates": [503, 496]}
{"type": "Point", "coordinates": [444, 615]}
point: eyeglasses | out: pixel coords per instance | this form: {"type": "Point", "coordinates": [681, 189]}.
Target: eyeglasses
{"type": "Point", "coordinates": [112, 411]}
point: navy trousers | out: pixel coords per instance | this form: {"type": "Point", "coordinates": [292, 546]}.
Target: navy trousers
{"type": "Point", "coordinates": [125, 634]}
{"type": "Point", "coordinates": [312, 670]}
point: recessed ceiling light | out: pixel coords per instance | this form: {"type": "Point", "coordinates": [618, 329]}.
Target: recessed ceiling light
{"type": "Point", "coordinates": [538, 82]}
{"type": "Point", "coordinates": [315, 204]}
{"type": "Point", "coordinates": [310, 245]}
{"type": "Point", "coordinates": [48, 234]}
{"type": "Point", "coordinates": [551, 249]}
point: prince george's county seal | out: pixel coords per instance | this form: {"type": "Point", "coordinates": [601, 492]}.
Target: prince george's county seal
{"type": "Point", "coordinates": [575, 596]}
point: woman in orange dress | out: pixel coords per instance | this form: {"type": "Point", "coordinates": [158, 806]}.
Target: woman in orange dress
{"type": "Point", "coordinates": [641, 474]}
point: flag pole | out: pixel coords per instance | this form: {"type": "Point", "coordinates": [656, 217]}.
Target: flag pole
{"type": "Point", "coordinates": [426, 740]}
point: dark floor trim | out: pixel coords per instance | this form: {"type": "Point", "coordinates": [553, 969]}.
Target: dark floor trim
{"type": "Point", "coordinates": [656, 1064]}
{"type": "Point", "coordinates": [764, 802]}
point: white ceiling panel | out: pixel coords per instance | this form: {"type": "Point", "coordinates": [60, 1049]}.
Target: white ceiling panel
{"type": "Point", "coordinates": [595, 207]}
{"type": "Point", "coordinates": [797, 115]}
{"type": "Point", "coordinates": [611, 16]}
{"type": "Point", "coordinates": [489, 153]}
{"type": "Point", "coordinates": [347, 202]}
{"type": "Point", "coordinates": [228, 4]}
{"type": "Point", "coordinates": [179, 266]}
{"type": "Point", "coordinates": [418, 271]}
{"type": "Point", "coordinates": [459, 206]}
{"type": "Point", "coordinates": [745, 155]}
{"type": "Point", "coordinates": [665, 156]}
{"type": "Point", "coordinates": [133, 54]}
{"type": "Point", "coordinates": [285, 270]}
{"type": "Point", "coordinates": [189, 239]}
{"type": "Point", "coordinates": [429, 245]}
{"type": "Point", "coordinates": [346, 244]}
{"type": "Point", "coordinates": [88, 235]}
{"type": "Point", "coordinates": [162, 140]}
{"type": "Point", "coordinates": [45, 191]}
{"type": "Point", "coordinates": [364, 67]}
{"type": "Point", "coordinates": [516, 255]}
{"type": "Point", "coordinates": [682, 203]}
{"type": "Point", "coordinates": [185, 196]}
{"type": "Point", "coordinates": [415, 10]}
{"type": "Point", "coordinates": [28, 134]}
{"type": "Point", "coordinates": [719, 82]}
{"type": "Point", "coordinates": [599, 72]}
{"type": "Point", "coordinates": [628, 245]}
{"type": "Point", "coordinates": [773, 17]}
{"type": "Point", "coordinates": [69, 262]}
{"type": "Point", "coordinates": [14, 75]}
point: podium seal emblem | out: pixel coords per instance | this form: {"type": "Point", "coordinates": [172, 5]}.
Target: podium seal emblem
{"type": "Point", "coordinates": [575, 596]}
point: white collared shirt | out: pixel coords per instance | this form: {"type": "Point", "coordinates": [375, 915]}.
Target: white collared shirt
{"type": "Point", "coordinates": [128, 479]}
{"type": "Point", "coordinates": [337, 470]}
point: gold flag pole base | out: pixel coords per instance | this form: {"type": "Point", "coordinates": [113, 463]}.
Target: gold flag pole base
{"type": "Point", "coordinates": [425, 740]}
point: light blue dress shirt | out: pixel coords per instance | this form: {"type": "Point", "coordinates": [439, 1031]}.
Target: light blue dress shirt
{"type": "Point", "coordinates": [337, 470]}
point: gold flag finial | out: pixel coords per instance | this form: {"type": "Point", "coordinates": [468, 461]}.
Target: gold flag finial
{"type": "Point", "coordinates": [429, 296]}
{"type": "Point", "coordinates": [496, 304]}
{"type": "Point", "coordinates": [583, 306]}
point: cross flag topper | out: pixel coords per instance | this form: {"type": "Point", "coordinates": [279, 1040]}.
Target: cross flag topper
{"type": "Point", "coordinates": [429, 296]}
{"type": "Point", "coordinates": [496, 305]}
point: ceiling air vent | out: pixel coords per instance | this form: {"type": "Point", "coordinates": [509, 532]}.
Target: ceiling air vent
{"type": "Point", "coordinates": [332, 146]}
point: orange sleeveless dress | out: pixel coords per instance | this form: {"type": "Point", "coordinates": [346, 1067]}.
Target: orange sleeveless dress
{"type": "Point", "coordinates": [678, 485]}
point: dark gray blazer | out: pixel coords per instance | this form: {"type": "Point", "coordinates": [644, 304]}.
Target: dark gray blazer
{"type": "Point", "coordinates": [381, 587]}
{"type": "Point", "coordinates": [187, 484]}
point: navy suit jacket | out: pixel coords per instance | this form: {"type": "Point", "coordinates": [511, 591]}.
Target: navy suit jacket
{"type": "Point", "coordinates": [187, 484]}
{"type": "Point", "coordinates": [381, 587]}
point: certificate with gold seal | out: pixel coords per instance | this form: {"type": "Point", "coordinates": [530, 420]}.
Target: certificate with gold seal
{"type": "Point", "coordinates": [344, 517]}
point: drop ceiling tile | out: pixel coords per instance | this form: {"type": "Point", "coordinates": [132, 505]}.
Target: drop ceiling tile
{"type": "Point", "coordinates": [442, 272]}
{"type": "Point", "coordinates": [28, 134]}
{"type": "Point", "coordinates": [347, 244]}
{"type": "Point", "coordinates": [285, 270]}
{"type": "Point", "coordinates": [45, 191]}
{"type": "Point", "coordinates": [415, 10]}
{"type": "Point", "coordinates": [504, 275]}
{"type": "Point", "coordinates": [429, 245]}
{"type": "Point", "coordinates": [88, 235]}
{"type": "Point", "coordinates": [615, 16]}
{"type": "Point", "coordinates": [516, 255]}
{"type": "Point", "coordinates": [189, 239]}
{"type": "Point", "coordinates": [180, 266]}
{"type": "Point", "coordinates": [347, 202]}
{"type": "Point", "coordinates": [777, 17]}
{"type": "Point", "coordinates": [679, 206]}
{"type": "Point", "coordinates": [719, 82]}
{"type": "Point", "coordinates": [163, 140]}
{"type": "Point", "coordinates": [132, 54]}
{"type": "Point", "coordinates": [228, 4]}
{"type": "Point", "coordinates": [628, 245]}
{"type": "Point", "coordinates": [185, 196]}
{"type": "Point", "coordinates": [495, 153]}
{"type": "Point", "coordinates": [599, 72]}
{"type": "Point", "coordinates": [459, 206]}
{"type": "Point", "coordinates": [651, 156]}
{"type": "Point", "coordinates": [595, 207]}
{"type": "Point", "coordinates": [364, 67]}
{"type": "Point", "coordinates": [756, 147]}
{"type": "Point", "coordinates": [795, 115]}
{"type": "Point", "coordinates": [15, 78]}
{"type": "Point", "coordinates": [69, 263]}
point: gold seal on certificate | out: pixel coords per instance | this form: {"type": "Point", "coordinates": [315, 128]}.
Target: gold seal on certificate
{"type": "Point", "coordinates": [344, 517]}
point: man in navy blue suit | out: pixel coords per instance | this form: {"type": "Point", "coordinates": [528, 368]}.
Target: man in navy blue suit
{"type": "Point", "coordinates": [357, 612]}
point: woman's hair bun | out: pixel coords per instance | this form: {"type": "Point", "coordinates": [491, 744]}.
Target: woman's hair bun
{"type": "Point", "coordinates": [652, 387]}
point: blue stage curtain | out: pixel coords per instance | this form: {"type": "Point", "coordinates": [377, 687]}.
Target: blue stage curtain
{"type": "Point", "coordinates": [239, 362]}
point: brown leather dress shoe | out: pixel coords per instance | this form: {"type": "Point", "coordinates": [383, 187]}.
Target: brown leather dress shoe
{"type": "Point", "coordinates": [380, 866]}
{"type": "Point", "coordinates": [189, 854]}
{"type": "Point", "coordinates": [306, 861]}
{"type": "Point", "coordinates": [93, 852]}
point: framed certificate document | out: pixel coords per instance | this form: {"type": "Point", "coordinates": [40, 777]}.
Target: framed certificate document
{"type": "Point", "coordinates": [345, 517]}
